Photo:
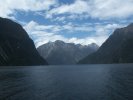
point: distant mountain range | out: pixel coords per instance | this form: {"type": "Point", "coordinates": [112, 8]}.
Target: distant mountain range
{"type": "Point", "coordinates": [118, 48]}
{"type": "Point", "coordinates": [16, 48]}
{"type": "Point", "coordinates": [61, 53]}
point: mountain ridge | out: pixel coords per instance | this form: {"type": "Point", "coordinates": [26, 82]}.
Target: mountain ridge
{"type": "Point", "coordinates": [16, 47]}
{"type": "Point", "coordinates": [116, 49]}
{"type": "Point", "coordinates": [61, 53]}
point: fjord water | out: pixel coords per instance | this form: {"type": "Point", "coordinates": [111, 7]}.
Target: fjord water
{"type": "Point", "coordinates": [82, 82]}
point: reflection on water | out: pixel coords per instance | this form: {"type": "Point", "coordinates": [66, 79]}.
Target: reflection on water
{"type": "Point", "coordinates": [85, 82]}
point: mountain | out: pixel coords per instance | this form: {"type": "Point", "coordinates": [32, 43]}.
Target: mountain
{"type": "Point", "coordinates": [118, 48]}
{"type": "Point", "coordinates": [16, 48]}
{"type": "Point", "coordinates": [61, 53]}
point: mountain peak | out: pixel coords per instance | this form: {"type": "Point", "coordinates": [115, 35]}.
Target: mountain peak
{"type": "Point", "coordinates": [59, 42]}
{"type": "Point", "coordinates": [11, 29]}
{"type": "Point", "coordinates": [60, 53]}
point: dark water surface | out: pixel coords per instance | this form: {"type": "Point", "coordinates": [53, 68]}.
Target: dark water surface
{"type": "Point", "coordinates": [85, 82]}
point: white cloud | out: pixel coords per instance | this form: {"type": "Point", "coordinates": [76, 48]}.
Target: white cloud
{"type": "Point", "coordinates": [76, 10]}
{"type": "Point", "coordinates": [47, 37]}
{"type": "Point", "coordinates": [106, 29]}
{"type": "Point", "coordinates": [41, 35]}
{"type": "Point", "coordinates": [7, 7]}
{"type": "Point", "coordinates": [34, 26]}
{"type": "Point", "coordinates": [111, 9]}
{"type": "Point", "coordinates": [79, 7]}
{"type": "Point", "coordinates": [101, 9]}
{"type": "Point", "coordinates": [83, 41]}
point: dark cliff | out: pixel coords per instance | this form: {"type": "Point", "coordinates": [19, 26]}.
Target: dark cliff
{"type": "Point", "coordinates": [118, 48]}
{"type": "Point", "coordinates": [16, 48]}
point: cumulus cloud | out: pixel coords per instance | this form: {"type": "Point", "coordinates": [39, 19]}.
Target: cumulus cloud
{"type": "Point", "coordinates": [7, 7]}
{"type": "Point", "coordinates": [111, 8]}
{"type": "Point", "coordinates": [42, 34]}
{"type": "Point", "coordinates": [79, 7]}
{"type": "Point", "coordinates": [101, 9]}
{"type": "Point", "coordinates": [76, 10]}
{"type": "Point", "coordinates": [39, 33]}
{"type": "Point", "coordinates": [50, 37]}
{"type": "Point", "coordinates": [69, 27]}
{"type": "Point", "coordinates": [34, 26]}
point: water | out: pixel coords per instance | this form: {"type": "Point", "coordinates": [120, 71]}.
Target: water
{"type": "Point", "coordinates": [85, 82]}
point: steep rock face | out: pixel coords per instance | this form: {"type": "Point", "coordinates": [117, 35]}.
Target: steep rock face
{"type": "Point", "coordinates": [61, 53]}
{"type": "Point", "coordinates": [118, 48]}
{"type": "Point", "coordinates": [16, 48]}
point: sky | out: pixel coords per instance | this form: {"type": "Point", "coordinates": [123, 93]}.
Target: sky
{"type": "Point", "coordinates": [72, 21]}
